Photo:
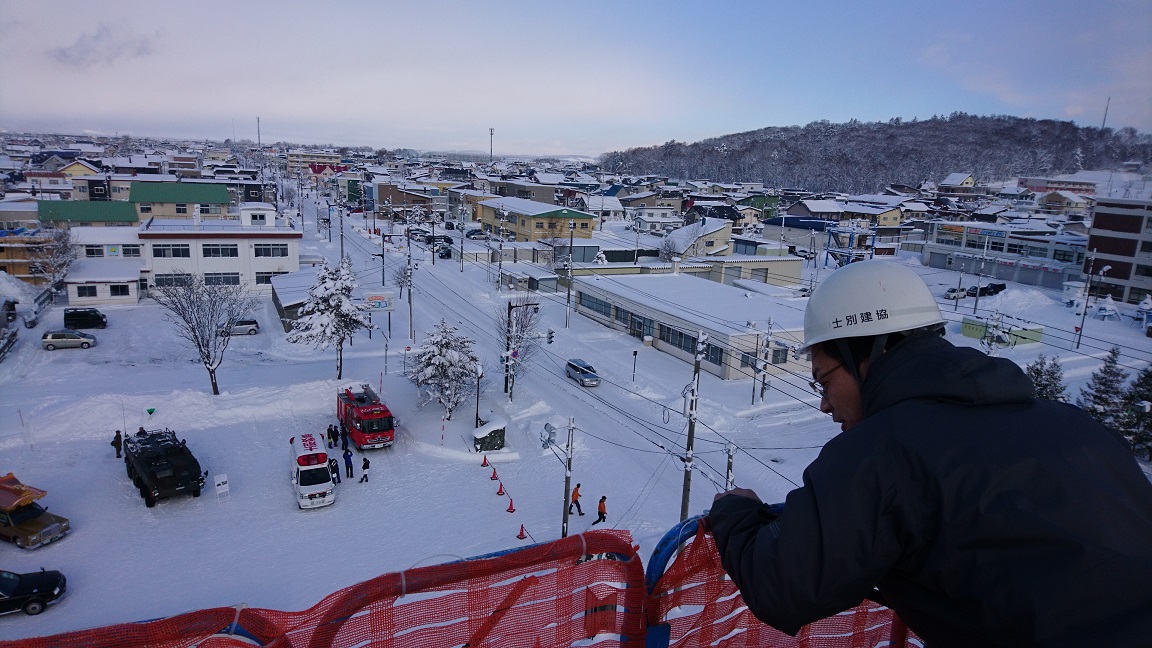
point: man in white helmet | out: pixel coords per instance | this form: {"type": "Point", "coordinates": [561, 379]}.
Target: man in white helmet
{"type": "Point", "coordinates": [981, 515]}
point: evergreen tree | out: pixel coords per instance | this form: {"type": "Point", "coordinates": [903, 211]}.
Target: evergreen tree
{"type": "Point", "coordinates": [1136, 423]}
{"type": "Point", "coordinates": [1103, 398]}
{"type": "Point", "coordinates": [1048, 378]}
{"type": "Point", "coordinates": [330, 317]}
{"type": "Point", "coordinates": [445, 367]}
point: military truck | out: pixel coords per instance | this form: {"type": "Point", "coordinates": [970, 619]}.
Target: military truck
{"type": "Point", "coordinates": [23, 522]}
{"type": "Point", "coordinates": [160, 465]}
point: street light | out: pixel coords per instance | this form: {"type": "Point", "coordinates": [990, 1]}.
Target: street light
{"type": "Point", "coordinates": [1087, 294]}
{"type": "Point", "coordinates": [479, 375]}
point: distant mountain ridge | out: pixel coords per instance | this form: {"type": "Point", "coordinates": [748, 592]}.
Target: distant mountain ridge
{"type": "Point", "coordinates": [861, 157]}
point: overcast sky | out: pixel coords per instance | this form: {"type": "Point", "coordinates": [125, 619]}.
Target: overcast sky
{"type": "Point", "coordinates": [575, 77]}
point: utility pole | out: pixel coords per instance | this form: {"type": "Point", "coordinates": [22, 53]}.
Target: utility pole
{"type": "Point", "coordinates": [729, 480]}
{"type": "Point", "coordinates": [571, 259]}
{"type": "Point", "coordinates": [959, 286]}
{"type": "Point", "coordinates": [1087, 294]}
{"type": "Point", "coordinates": [491, 138]}
{"type": "Point", "coordinates": [755, 368]}
{"type": "Point", "coordinates": [411, 289]}
{"type": "Point", "coordinates": [340, 210]}
{"type": "Point", "coordinates": [568, 477]}
{"type": "Point", "coordinates": [508, 344]}
{"type": "Point", "coordinates": [692, 393]}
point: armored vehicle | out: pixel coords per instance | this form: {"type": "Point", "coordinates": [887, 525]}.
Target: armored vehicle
{"type": "Point", "coordinates": [160, 465]}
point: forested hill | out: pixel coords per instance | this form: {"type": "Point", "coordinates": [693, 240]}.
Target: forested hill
{"type": "Point", "coordinates": [863, 157]}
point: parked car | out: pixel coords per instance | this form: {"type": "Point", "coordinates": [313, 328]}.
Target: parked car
{"type": "Point", "coordinates": [67, 339]}
{"type": "Point", "coordinates": [30, 592]}
{"type": "Point", "coordinates": [955, 293]}
{"type": "Point", "coordinates": [444, 252]}
{"type": "Point", "coordinates": [23, 522]}
{"type": "Point", "coordinates": [996, 288]}
{"type": "Point", "coordinates": [242, 327]}
{"type": "Point", "coordinates": [78, 318]}
{"type": "Point", "coordinates": [433, 239]}
{"type": "Point", "coordinates": [476, 235]}
{"type": "Point", "coordinates": [982, 291]}
{"type": "Point", "coordinates": [582, 372]}
{"type": "Point", "coordinates": [416, 232]}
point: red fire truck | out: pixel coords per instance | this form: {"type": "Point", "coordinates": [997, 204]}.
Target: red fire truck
{"type": "Point", "coordinates": [369, 422]}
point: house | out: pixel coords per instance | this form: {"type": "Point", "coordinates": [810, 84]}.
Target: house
{"type": "Point", "coordinates": [176, 200]}
{"type": "Point", "coordinates": [706, 237]}
{"type": "Point", "coordinates": [817, 210]}
{"type": "Point", "coordinates": [1064, 203]}
{"type": "Point", "coordinates": [528, 220]}
{"type": "Point", "coordinates": [69, 213]}
{"type": "Point", "coordinates": [606, 207]}
{"type": "Point", "coordinates": [669, 311]}
{"type": "Point", "coordinates": [656, 219]}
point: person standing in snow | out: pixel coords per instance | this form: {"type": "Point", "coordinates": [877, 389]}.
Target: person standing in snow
{"type": "Point", "coordinates": [348, 463]}
{"type": "Point", "coordinates": [334, 468]}
{"type": "Point", "coordinates": [343, 437]}
{"type": "Point", "coordinates": [331, 436]}
{"type": "Point", "coordinates": [575, 501]}
{"type": "Point", "coordinates": [980, 514]}
{"type": "Point", "coordinates": [118, 443]}
{"type": "Point", "coordinates": [364, 469]}
{"type": "Point", "coordinates": [601, 510]}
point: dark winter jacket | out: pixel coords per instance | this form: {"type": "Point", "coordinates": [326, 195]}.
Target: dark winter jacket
{"type": "Point", "coordinates": [985, 517]}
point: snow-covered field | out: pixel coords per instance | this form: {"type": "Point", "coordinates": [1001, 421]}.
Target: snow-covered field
{"type": "Point", "coordinates": [429, 500]}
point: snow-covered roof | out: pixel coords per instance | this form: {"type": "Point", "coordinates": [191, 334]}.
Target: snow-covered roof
{"type": "Point", "coordinates": [86, 235]}
{"type": "Point", "coordinates": [104, 270]}
{"type": "Point", "coordinates": [955, 179]}
{"type": "Point", "coordinates": [823, 206]}
{"type": "Point", "coordinates": [292, 288]}
{"type": "Point", "coordinates": [603, 203]}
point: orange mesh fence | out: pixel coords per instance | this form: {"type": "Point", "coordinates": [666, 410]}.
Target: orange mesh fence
{"type": "Point", "coordinates": [701, 606]}
{"type": "Point", "coordinates": [583, 590]}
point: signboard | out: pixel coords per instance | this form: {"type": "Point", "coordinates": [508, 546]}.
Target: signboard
{"type": "Point", "coordinates": [381, 301]}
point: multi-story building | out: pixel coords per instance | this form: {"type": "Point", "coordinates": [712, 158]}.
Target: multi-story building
{"type": "Point", "coordinates": [1030, 253]}
{"type": "Point", "coordinates": [1121, 241]}
{"type": "Point", "coordinates": [528, 220]}
{"type": "Point", "coordinates": [299, 159]}
{"type": "Point", "coordinates": [177, 200]}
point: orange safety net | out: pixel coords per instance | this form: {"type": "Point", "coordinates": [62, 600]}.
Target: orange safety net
{"type": "Point", "coordinates": [586, 589]}
{"type": "Point", "coordinates": [703, 607]}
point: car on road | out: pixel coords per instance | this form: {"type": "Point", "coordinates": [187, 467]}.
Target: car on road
{"type": "Point", "coordinates": [955, 293]}
{"type": "Point", "coordinates": [444, 252]}
{"type": "Point", "coordinates": [30, 592]}
{"type": "Point", "coordinates": [242, 327]}
{"type": "Point", "coordinates": [67, 339]}
{"type": "Point", "coordinates": [476, 235]}
{"type": "Point", "coordinates": [582, 372]}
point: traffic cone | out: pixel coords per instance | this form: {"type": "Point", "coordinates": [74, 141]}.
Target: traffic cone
{"type": "Point", "coordinates": [522, 534]}
{"type": "Point", "coordinates": [511, 509]}
{"type": "Point", "coordinates": [494, 477]}
{"type": "Point", "coordinates": [501, 491]}
{"type": "Point", "coordinates": [484, 464]}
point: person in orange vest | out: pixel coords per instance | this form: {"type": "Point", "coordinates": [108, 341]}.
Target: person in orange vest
{"type": "Point", "coordinates": [575, 501]}
{"type": "Point", "coordinates": [602, 509]}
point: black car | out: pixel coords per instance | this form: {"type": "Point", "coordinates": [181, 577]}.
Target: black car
{"type": "Point", "coordinates": [444, 252]}
{"type": "Point", "coordinates": [30, 592]}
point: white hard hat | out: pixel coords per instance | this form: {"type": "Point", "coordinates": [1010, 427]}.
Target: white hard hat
{"type": "Point", "coordinates": [868, 298]}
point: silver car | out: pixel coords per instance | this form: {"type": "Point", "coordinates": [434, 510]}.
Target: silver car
{"type": "Point", "coordinates": [67, 338]}
{"type": "Point", "coordinates": [242, 327]}
{"type": "Point", "coordinates": [582, 372]}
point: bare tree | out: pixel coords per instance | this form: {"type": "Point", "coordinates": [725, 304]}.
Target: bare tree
{"type": "Point", "coordinates": [201, 312]}
{"type": "Point", "coordinates": [668, 249]}
{"type": "Point", "coordinates": [53, 255]}
{"type": "Point", "coordinates": [518, 328]}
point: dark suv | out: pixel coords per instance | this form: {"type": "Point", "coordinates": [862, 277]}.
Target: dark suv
{"type": "Point", "coordinates": [78, 318]}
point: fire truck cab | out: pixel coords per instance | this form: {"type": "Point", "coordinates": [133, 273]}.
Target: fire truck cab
{"type": "Point", "coordinates": [311, 479]}
{"type": "Point", "coordinates": [368, 421]}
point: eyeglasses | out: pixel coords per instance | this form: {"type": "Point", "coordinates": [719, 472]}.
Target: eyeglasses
{"type": "Point", "coordinates": [817, 384]}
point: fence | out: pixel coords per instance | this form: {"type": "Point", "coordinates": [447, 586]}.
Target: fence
{"type": "Point", "coordinates": [588, 589]}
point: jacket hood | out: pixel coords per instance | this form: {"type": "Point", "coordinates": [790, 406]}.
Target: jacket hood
{"type": "Point", "coordinates": [926, 366]}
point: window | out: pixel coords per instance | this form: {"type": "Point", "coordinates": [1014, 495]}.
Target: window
{"type": "Point", "coordinates": [677, 339]}
{"type": "Point", "coordinates": [713, 354]}
{"type": "Point", "coordinates": [213, 250]}
{"type": "Point", "coordinates": [258, 218]}
{"type": "Point", "coordinates": [181, 208]}
{"type": "Point", "coordinates": [1143, 271]}
{"type": "Point", "coordinates": [265, 278]}
{"type": "Point", "coordinates": [119, 290]}
{"type": "Point", "coordinates": [130, 251]}
{"type": "Point", "coordinates": [594, 304]}
{"type": "Point", "coordinates": [221, 278]}
{"type": "Point", "coordinates": [540, 225]}
{"type": "Point", "coordinates": [271, 249]}
{"type": "Point", "coordinates": [1063, 255]}
{"type": "Point", "coordinates": [1015, 248]}
{"type": "Point", "coordinates": [171, 250]}
{"type": "Point", "coordinates": [85, 291]}
{"type": "Point", "coordinates": [1145, 246]}
{"type": "Point", "coordinates": [623, 316]}
{"type": "Point", "coordinates": [779, 355]}
{"type": "Point", "coordinates": [83, 188]}
{"type": "Point", "coordinates": [93, 251]}
{"type": "Point", "coordinates": [551, 225]}
{"type": "Point", "coordinates": [209, 209]}
{"type": "Point", "coordinates": [747, 360]}
{"type": "Point", "coordinates": [145, 208]}
{"type": "Point", "coordinates": [709, 243]}
{"type": "Point", "coordinates": [165, 280]}
{"type": "Point", "coordinates": [583, 225]}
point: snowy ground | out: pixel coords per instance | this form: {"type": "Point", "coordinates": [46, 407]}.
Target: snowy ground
{"type": "Point", "coordinates": [429, 500]}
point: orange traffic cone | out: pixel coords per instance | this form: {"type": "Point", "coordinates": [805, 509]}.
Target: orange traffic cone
{"type": "Point", "coordinates": [522, 535]}
{"type": "Point", "coordinates": [484, 464]}
{"type": "Point", "coordinates": [501, 491]}
{"type": "Point", "coordinates": [511, 509]}
{"type": "Point", "coordinates": [494, 477]}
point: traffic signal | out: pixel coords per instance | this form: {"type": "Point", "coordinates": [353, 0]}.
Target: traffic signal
{"type": "Point", "coordinates": [551, 335]}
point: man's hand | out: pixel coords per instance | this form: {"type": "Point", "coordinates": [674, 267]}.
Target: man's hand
{"type": "Point", "coordinates": [741, 492]}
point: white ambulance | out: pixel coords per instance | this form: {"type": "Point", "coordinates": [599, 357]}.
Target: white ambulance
{"type": "Point", "coordinates": [311, 480]}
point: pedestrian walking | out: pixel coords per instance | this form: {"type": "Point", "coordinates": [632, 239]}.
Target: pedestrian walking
{"type": "Point", "coordinates": [334, 468]}
{"type": "Point", "coordinates": [981, 514]}
{"type": "Point", "coordinates": [343, 437]}
{"type": "Point", "coordinates": [602, 510]}
{"type": "Point", "coordinates": [364, 469]}
{"type": "Point", "coordinates": [575, 501]}
{"type": "Point", "coordinates": [348, 463]}
{"type": "Point", "coordinates": [118, 443]}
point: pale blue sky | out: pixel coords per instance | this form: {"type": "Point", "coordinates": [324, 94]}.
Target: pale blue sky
{"type": "Point", "coordinates": [576, 77]}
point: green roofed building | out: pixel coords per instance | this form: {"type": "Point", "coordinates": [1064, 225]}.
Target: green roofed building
{"type": "Point", "coordinates": [178, 200]}
{"type": "Point", "coordinates": [66, 213]}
